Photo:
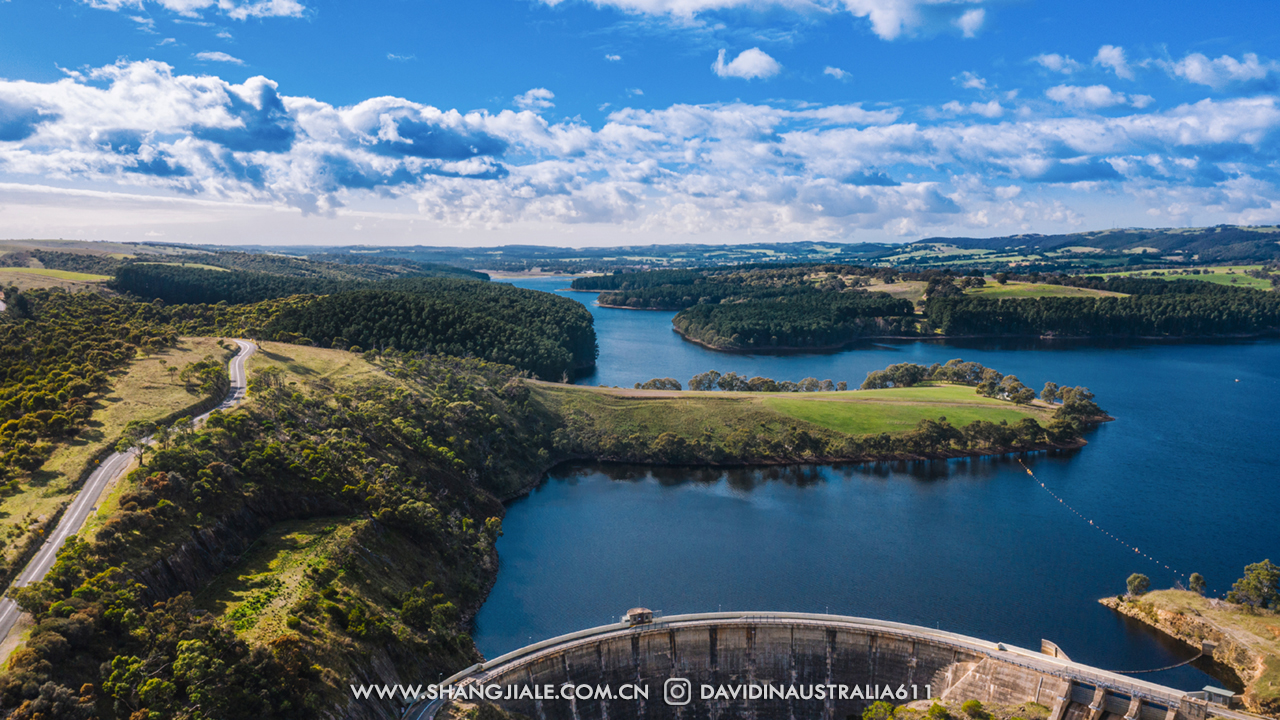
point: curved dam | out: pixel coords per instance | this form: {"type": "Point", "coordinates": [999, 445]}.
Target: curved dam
{"type": "Point", "coordinates": [795, 666]}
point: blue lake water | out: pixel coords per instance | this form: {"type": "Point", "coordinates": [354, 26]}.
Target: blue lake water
{"type": "Point", "coordinates": [1187, 473]}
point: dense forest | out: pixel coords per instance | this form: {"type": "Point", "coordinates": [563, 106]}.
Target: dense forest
{"type": "Point", "coordinates": [177, 284]}
{"type": "Point", "coordinates": [56, 260]}
{"type": "Point", "coordinates": [1167, 314]}
{"type": "Point", "coordinates": [679, 289]}
{"type": "Point", "coordinates": [188, 285]}
{"type": "Point", "coordinates": [539, 332]}
{"type": "Point", "coordinates": [810, 320]}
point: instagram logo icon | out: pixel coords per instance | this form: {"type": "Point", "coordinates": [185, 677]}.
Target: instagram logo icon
{"type": "Point", "coordinates": [677, 691]}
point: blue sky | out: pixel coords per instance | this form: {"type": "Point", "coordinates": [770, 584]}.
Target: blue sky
{"type": "Point", "coordinates": [631, 121]}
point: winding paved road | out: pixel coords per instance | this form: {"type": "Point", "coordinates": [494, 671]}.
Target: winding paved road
{"type": "Point", "coordinates": [109, 470]}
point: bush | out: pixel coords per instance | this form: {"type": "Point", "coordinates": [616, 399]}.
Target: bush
{"type": "Point", "coordinates": [973, 709]}
{"type": "Point", "coordinates": [937, 711]}
{"type": "Point", "coordinates": [879, 710]}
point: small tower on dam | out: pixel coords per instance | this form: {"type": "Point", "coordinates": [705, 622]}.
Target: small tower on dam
{"type": "Point", "coordinates": [793, 666]}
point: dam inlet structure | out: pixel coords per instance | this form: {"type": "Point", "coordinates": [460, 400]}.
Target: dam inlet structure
{"type": "Point", "coordinates": [719, 657]}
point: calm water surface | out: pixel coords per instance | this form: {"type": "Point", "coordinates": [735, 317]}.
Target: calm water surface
{"type": "Point", "coordinates": [1188, 474]}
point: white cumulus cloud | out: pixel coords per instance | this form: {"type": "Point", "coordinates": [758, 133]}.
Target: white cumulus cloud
{"type": "Point", "coordinates": [218, 56]}
{"type": "Point", "coordinates": [234, 9]}
{"type": "Point", "coordinates": [889, 19]}
{"type": "Point", "coordinates": [990, 109]}
{"type": "Point", "coordinates": [835, 72]}
{"type": "Point", "coordinates": [613, 58]}
{"type": "Point", "coordinates": [971, 21]}
{"type": "Point", "coordinates": [1095, 97]}
{"type": "Point", "coordinates": [1111, 56]}
{"type": "Point", "coordinates": [1057, 63]}
{"type": "Point", "coordinates": [970, 81]}
{"type": "Point", "coordinates": [1219, 73]}
{"type": "Point", "coordinates": [750, 64]}
{"type": "Point", "coordinates": [537, 98]}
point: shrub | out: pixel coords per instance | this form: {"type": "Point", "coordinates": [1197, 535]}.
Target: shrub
{"type": "Point", "coordinates": [973, 709]}
{"type": "Point", "coordinates": [879, 710]}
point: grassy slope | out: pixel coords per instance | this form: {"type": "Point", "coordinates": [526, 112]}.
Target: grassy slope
{"type": "Point", "coordinates": [309, 363]}
{"type": "Point", "coordinates": [1036, 290]}
{"type": "Point", "coordinates": [144, 392]}
{"type": "Point", "coordinates": [26, 279]}
{"type": "Point", "coordinates": [863, 412]}
{"type": "Point", "coordinates": [57, 274]}
{"type": "Point", "coordinates": [867, 412]}
{"type": "Point", "coordinates": [912, 290]}
{"type": "Point", "coordinates": [1232, 275]}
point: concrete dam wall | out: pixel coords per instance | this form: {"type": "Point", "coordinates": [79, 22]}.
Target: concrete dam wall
{"type": "Point", "coordinates": [795, 667]}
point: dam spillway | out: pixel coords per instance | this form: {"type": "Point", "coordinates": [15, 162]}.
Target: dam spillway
{"type": "Point", "coordinates": [859, 657]}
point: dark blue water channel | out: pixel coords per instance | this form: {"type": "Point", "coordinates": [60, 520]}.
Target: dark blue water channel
{"type": "Point", "coordinates": [1188, 473]}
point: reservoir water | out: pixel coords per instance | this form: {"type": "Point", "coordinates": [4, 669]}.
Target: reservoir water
{"type": "Point", "coordinates": [1188, 474]}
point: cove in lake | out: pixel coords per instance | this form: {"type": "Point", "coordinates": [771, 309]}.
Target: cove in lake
{"type": "Point", "coordinates": [1187, 474]}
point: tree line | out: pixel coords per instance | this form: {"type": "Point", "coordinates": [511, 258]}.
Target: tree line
{"type": "Point", "coordinates": [1169, 314]}
{"type": "Point", "coordinates": [733, 382]}
{"type": "Point", "coordinates": [1074, 404]}
{"type": "Point", "coordinates": [270, 277]}
{"type": "Point", "coordinates": [803, 321]}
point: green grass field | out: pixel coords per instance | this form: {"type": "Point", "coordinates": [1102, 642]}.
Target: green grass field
{"type": "Point", "coordinates": [1036, 290]}
{"type": "Point", "coordinates": [310, 363]}
{"type": "Point", "coordinates": [1233, 275]}
{"type": "Point", "coordinates": [862, 412]}
{"type": "Point", "coordinates": [59, 274]}
{"type": "Point", "coordinates": [912, 290]}
{"type": "Point", "coordinates": [869, 412]}
{"type": "Point", "coordinates": [32, 278]}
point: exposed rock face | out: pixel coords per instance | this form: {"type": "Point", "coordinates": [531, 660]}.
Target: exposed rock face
{"type": "Point", "coordinates": [1231, 654]}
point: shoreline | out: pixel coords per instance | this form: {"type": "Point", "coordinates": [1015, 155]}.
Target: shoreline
{"type": "Point", "coordinates": [800, 350]}
{"type": "Point", "coordinates": [1235, 659]}
{"type": "Point", "coordinates": [526, 489]}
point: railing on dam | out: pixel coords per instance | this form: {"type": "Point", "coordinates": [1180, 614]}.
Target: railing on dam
{"type": "Point", "coordinates": [1020, 657]}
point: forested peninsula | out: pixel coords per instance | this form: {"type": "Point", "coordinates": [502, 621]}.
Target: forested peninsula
{"type": "Point", "coordinates": [815, 307]}
{"type": "Point", "coordinates": [339, 526]}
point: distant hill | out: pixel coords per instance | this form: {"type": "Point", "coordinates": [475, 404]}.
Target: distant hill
{"type": "Point", "coordinates": [1089, 251]}
{"type": "Point", "coordinates": [1222, 243]}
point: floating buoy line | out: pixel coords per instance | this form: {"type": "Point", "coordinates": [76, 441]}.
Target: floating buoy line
{"type": "Point", "coordinates": [1103, 530]}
